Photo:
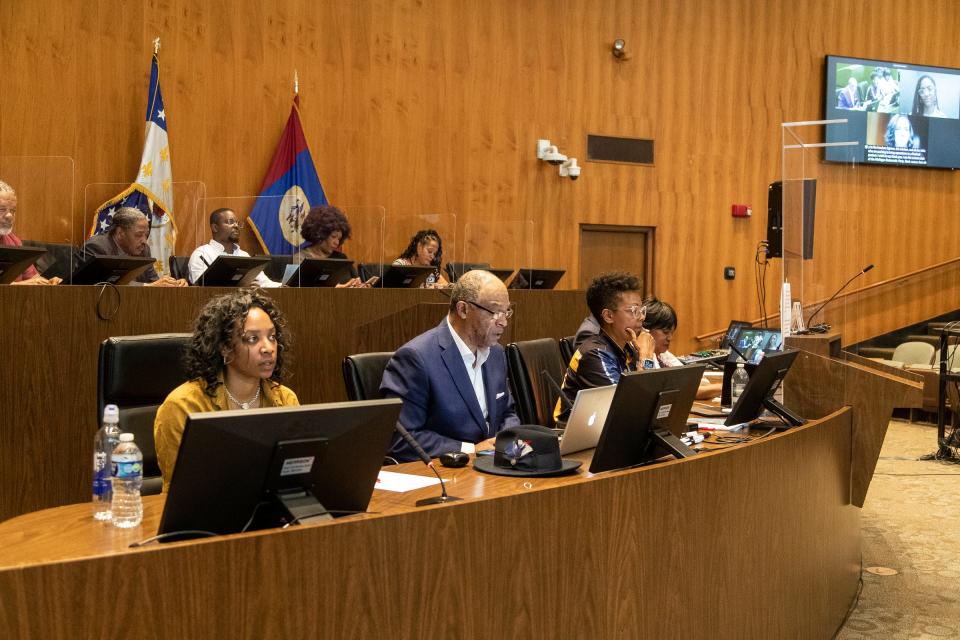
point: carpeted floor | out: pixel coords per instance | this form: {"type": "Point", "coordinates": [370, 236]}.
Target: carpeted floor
{"type": "Point", "coordinates": [911, 523]}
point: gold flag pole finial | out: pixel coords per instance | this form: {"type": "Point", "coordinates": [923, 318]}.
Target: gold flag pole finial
{"type": "Point", "coordinates": [156, 46]}
{"type": "Point", "coordinates": [296, 82]}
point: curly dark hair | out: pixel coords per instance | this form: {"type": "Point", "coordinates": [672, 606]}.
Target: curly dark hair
{"type": "Point", "coordinates": [422, 237]}
{"type": "Point", "coordinates": [660, 315]}
{"type": "Point", "coordinates": [219, 323]}
{"type": "Point", "coordinates": [604, 291]}
{"type": "Point", "coordinates": [323, 220]}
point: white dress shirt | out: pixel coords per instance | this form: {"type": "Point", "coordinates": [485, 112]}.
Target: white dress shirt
{"type": "Point", "coordinates": [474, 366]}
{"type": "Point", "coordinates": [209, 252]}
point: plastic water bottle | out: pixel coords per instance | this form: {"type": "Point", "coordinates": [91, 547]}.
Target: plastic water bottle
{"type": "Point", "coordinates": [103, 443]}
{"type": "Point", "coordinates": [127, 507]}
{"type": "Point", "coordinates": [738, 382]}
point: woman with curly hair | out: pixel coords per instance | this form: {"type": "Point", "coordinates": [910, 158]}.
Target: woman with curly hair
{"type": "Point", "coordinates": [425, 250]}
{"type": "Point", "coordinates": [325, 229]}
{"type": "Point", "coordinates": [236, 359]}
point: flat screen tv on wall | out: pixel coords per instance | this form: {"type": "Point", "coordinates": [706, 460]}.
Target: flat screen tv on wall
{"type": "Point", "coordinates": [899, 114]}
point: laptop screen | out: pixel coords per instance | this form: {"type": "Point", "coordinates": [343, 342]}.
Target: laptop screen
{"type": "Point", "coordinates": [754, 342]}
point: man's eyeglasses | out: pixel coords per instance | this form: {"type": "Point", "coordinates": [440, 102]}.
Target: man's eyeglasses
{"type": "Point", "coordinates": [497, 315]}
{"type": "Point", "coordinates": [636, 310]}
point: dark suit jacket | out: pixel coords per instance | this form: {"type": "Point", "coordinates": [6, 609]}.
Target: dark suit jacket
{"type": "Point", "coordinates": [103, 245]}
{"type": "Point", "coordinates": [440, 408]}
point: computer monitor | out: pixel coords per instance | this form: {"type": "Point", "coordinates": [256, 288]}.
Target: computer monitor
{"type": "Point", "coordinates": [232, 271]}
{"type": "Point", "coordinates": [259, 468]}
{"type": "Point", "coordinates": [648, 412]}
{"type": "Point", "coordinates": [537, 278]}
{"type": "Point", "coordinates": [753, 343]}
{"type": "Point", "coordinates": [15, 260]}
{"type": "Point", "coordinates": [763, 384]}
{"type": "Point", "coordinates": [732, 330]}
{"type": "Point", "coordinates": [396, 276]}
{"type": "Point", "coordinates": [112, 269]}
{"type": "Point", "coordinates": [314, 272]}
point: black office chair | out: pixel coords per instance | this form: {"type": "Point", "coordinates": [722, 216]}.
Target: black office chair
{"type": "Point", "coordinates": [363, 372]}
{"type": "Point", "coordinates": [457, 269]}
{"type": "Point", "coordinates": [566, 349]}
{"type": "Point", "coordinates": [136, 373]}
{"type": "Point", "coordinates": [533, 393]}
{"type": "Point", "coordinates": [179, 267]}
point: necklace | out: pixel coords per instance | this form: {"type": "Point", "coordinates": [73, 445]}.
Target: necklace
{"type": "Point", "coordinates": [242, 405]}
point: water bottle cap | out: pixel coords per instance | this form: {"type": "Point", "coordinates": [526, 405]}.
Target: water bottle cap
{"type": "Point", "coordinates": [126, 437]}
{"type": "Point", "coordinates": [111, 413]}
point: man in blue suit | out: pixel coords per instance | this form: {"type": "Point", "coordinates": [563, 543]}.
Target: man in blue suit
{"type": "Point", "coordinates": [453, 378]}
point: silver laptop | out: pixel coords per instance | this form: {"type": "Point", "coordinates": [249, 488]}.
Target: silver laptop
{"type": "Point", "coordinates": [587, 418]}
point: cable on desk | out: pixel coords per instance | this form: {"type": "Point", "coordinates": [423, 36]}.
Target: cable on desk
{"type": "Point", "coordinates": [116, 308]}
{"type": "Point", "coordinates": [197, 533]}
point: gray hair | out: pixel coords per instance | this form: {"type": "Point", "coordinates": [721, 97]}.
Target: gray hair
{"type": "Point", "coordinates": [126, 218]}
{"type": "Point", "coordinates": [468, 287]}
{"type": "Point", "coordinates": [6, 190]}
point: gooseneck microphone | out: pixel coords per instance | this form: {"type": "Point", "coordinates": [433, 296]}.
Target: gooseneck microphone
{"type": "Point", "coordinates": [823, 327]}
{"type": "Point", "coordinates": [410, 440]}
{"type": "Point", "coordinates": [556, 387]}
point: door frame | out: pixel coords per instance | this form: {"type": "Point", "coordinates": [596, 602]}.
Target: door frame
{"type": "Point", "coordinates": [649, 238]}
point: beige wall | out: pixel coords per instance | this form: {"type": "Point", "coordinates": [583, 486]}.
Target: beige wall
{"type": "Point", "coordinates": [436, 107]}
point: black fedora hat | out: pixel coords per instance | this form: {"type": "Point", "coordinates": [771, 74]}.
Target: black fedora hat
{"type": "Point", "coordinates": [526, 450]}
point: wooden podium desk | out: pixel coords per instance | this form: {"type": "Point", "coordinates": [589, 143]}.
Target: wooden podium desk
{"type": "Point", "coordinates": [753, 541]}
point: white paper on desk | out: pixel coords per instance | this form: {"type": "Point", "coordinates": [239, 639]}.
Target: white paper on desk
{"type": "Point", "coordinates": [716, 424]}
{"type": "Point", "coordinates": [402, 482]}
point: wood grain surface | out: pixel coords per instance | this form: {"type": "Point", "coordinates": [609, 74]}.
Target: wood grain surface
{"type": "Point", "coordinates": [435, 107]}
{"type": "Point", "coordinates": [761, 538]}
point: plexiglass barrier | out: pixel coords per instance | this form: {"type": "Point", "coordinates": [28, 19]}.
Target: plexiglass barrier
{"type": "Point", "coordinates": [40, 212]}
{"type": "Point", "coordinates": [502, 247]}
{"type": "Point", "coordinates": [821, 220]}
{"type": "Point", "coordinates": [177, 232]}
{"type": "Point", "coordinates": [421, 240]}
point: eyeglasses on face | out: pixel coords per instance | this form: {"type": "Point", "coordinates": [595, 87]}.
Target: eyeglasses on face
{"type": "Point", "coordinates": [497, 315]}
{"type": "Point", "coordinates": [636, 310]}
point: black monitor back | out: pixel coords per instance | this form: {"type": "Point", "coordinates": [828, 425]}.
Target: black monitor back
{"type": "Point", "coordinates": [112, 269]}
{"type": "Point", "coordinates": [15, 260]}
{"type": "Point", "coordinates": [645, 401]}
{"type": "Point", "coordinates": [314, 272]}
{"type": "Point", "coordinates": [232, 271]}
{"type": "Point", "coordinates": [536, 278]}
{"type": "Point", "coordinates": [223, 466]}
{"type": "Point", "coordinates": [764, 380]}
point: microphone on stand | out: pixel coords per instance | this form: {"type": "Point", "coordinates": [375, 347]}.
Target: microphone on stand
{"type": "Point", "coordinates": [410, 440]}
{"type": "Point", "coordinates": [823, 327]}
{"type": "Point", "coordinates": [556, 387]}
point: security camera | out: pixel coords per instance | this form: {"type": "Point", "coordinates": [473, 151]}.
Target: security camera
{"type": "Point", "coordinates": [570, 169]}
{"type": "Point", "coordinates": [553, 155]}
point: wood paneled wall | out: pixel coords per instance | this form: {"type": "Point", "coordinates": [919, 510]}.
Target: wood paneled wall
{"type": "Point", "coordinates": [435, 106]}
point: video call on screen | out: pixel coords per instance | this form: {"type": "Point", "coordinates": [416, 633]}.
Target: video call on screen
{"type": "Point", "coordinates": [899, 114]}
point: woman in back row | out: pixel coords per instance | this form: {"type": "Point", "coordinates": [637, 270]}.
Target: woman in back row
{"type": "Point", "coordinates": [425, 250]}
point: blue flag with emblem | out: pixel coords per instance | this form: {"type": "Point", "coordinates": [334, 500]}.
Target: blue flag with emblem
{"type": "Point", "coordinates": [152, 192]}
{"type": "Point", "coordinates": [289, 189]}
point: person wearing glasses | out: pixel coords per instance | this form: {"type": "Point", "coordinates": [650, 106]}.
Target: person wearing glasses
{"type": "Point", "coordinates": [225, 229]}
{"type": "Point", "coordinates": [453, 378]}
{"type": "Point", "coordinates": [622, 344]}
